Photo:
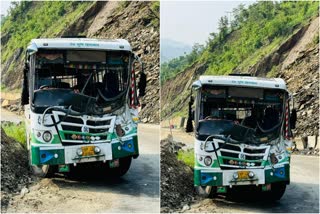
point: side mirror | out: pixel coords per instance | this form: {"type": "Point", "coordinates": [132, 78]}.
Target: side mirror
{"type": "Point", "coordinates": [142, 84]}
{"type": "Point", "coordinates": [189, 127]}
{"type": "Point", "coordinates": [293, 118]}
{"type": "Point", "coordinates": [25, 86]}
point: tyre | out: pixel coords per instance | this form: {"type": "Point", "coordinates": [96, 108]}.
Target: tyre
{"type": "Point", "coordinates": [206, 191]}
{"type": "Point", "coordinates": [277, 191]}
{"type": "Point", "coordinates": [124, 165]}
{"type": "Point", "coordinates": [42, 171]}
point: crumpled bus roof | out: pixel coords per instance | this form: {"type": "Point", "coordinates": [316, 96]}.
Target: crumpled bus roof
{"type": "Point", "coordinates": [242, 81]}
{"type": "Point", "coordinates": [79, 43]}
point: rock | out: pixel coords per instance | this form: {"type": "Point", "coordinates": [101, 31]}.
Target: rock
{"type": "Point", "coordinates": [312, 141]}
{"type": "Point", "coordinates": [24, 191]}
{"type": "Point", "coordinates": [185, 208]}
{"type": "Point", "coordinates": [5, 103]}
{"type": "Point", "coordinates": [304, 142]}
{"type": "Point", "coordinates": [309, 112]}
{"type": "Point", "coordinates": [299, 144]}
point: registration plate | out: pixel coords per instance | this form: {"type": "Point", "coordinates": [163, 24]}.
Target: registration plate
{"type": "Point", "coordinates": [87, 150]}
{"type": "Point", "coordinates": [243, 175]}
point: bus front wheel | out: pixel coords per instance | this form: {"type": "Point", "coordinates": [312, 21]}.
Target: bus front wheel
{"type": "Point", "coordinates": [42, 171]}
{"type": "Point", "coordinates": [206, 191]}
{"type": "Point", "coordinates": [277, 191]}
{"type": "Point", "coordinates": [123, 168]}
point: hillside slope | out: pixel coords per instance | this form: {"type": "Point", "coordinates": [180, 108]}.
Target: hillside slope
{"type": "Point", "coordinates": [293, 56]}
{"type": "Point", "coordinates": [135, 21]}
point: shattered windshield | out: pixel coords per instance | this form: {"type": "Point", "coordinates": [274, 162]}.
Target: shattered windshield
{"type": "Point", "coordinates": [100, 78]}
{"type": "Point", "coordinates": [244, 115]}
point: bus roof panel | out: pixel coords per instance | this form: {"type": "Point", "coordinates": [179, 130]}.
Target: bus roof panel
{"type": "Point", "coordinates": [244, 81]}
{"type": "Point", "coordinates": [80, 43]}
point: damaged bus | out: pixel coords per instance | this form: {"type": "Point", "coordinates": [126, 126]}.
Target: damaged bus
{"type": "Point", "coordinates": [81, 104]}
{"type": "Point", "coordinates": [242, 134]}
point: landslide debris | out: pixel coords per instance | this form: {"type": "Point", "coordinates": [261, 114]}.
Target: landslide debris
{"type": "Point", "coordinates": [14, 168]}
{"type": "Point", "coordinates": [177, 189]}
{"type": "Point", "coordinates": [139, 24]}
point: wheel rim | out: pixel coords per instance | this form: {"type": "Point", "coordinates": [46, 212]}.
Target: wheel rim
{"type": "Point", "coordinates": [41, 170]}
{"type": "Point", "coordinates": [208, 189]}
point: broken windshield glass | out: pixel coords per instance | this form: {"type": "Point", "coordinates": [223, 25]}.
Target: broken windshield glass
{"type": "Point", "coordinates": [69, 78]}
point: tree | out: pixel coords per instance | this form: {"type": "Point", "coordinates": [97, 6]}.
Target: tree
{"type": "Point", "coordinates": [223, 27]}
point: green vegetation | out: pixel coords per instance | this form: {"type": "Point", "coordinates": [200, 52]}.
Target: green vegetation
{"type": "Point", "coordinates": [187, 157]}
{"type": "Point", "coordinates": [155, 8]}
{"type": "Point", "coordinates": [253, 33]}
{"type": "Point", "coordinates": [28, 20]}
{"type": "Point", "coordinates": [273, 72]}
{"type": "Point", "coordinates": [17, 132]}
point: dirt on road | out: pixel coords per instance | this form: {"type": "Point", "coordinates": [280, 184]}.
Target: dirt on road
{"type": "Point", "coordinates": [137, 191]}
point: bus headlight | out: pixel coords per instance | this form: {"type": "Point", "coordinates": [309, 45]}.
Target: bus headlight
{"type": "Point", "coordinates": [207, 161]}
{"type": "Point", "coordinates": [235, 175]}
{"type": "Point", "coordinates": [251, 174]}
{"type": "Point", "coordinates": [79, 152]}
{"type": "Point", "coordinates": [47, 136]}
{"type": "Point", "coordinates": [97, 150]}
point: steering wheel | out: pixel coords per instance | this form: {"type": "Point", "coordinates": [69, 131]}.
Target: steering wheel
{"type": "Point", "coordinates": [110, 99]}
{"type": "Point", "coordinates": [44, 87]}
{"type": "Point", "coordinates": [268, 130]}
{"type": "Point", "coordinates": [210, 118]}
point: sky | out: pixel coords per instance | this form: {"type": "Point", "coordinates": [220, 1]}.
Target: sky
{"type": "Point", "coordinates": [192, 21]}
{"type": "Point", "coordinates": [5, 6]}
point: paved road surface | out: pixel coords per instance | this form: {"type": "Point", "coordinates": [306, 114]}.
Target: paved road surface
{"type": "Point", "coordinates": [301, 196]}
{"type": "Point", "coordinates": [9, 116]}
{"type": "Point", "coordinates": [137, 191]}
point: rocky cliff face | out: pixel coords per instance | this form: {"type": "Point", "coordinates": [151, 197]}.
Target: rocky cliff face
{"type": "Point", "coordinates": [300, 69]}
{"type": "Point", "coordinates": [297, 62]}
{"type": "Point", "coordinates": [135, 21]}
{"type": "Point", "coordinates": [140, 26]}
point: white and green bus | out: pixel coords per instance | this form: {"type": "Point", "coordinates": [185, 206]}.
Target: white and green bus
{"type": "Point", "coordinates": [242, 134]}
{"type": "Point", "coordinates": [81, 104]}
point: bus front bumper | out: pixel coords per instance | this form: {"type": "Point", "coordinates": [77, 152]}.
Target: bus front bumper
{"type": "Point", "coordinates": [74, 154]}
{"type": "Point", "coordinates": [234, 177]}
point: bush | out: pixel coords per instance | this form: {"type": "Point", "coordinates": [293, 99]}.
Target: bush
{"type": "Point", "coordinates": [187, 157]}
{"type": "Point", "coordinates": [17, 132]}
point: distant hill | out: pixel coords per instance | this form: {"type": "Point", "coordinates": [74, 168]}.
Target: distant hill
{"type": "Point", "coordinates": [171, 49]}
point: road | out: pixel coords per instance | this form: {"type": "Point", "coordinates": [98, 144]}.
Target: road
{"type": "Point", "coordinates": [10, 116]}
{"type": "Point", "coordinates": [302, 195]}
{"type": "Point", "coordinates": [137, 191]}
{"type": "Point", "coordinates": [179, 135]}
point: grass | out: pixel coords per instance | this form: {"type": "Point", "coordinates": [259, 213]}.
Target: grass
{"type": "Point", "coordinates": [187, 157]}
{"type": "Point", "coordinates": [17, 132]}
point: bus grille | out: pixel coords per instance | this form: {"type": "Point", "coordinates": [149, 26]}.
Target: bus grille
{"type": "Point", "coordinates": [84, 129]}
{"type": "Point", "coordinates": [241, 155]}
